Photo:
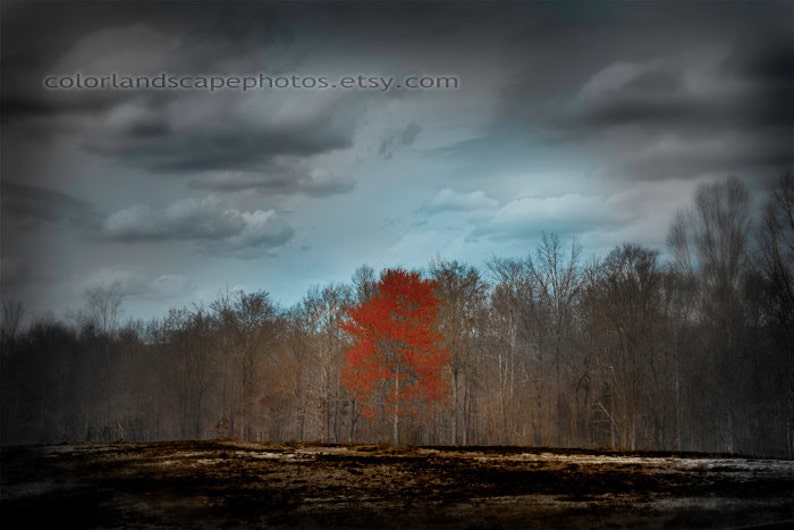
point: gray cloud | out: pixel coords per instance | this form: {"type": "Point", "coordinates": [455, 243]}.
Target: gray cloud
{"type": "Point", "coordinates": [689, 99]}
{"type": "Point", "coordinates": [32, 205]}
{"type": "Point", "coordinates": [766, 58]}
{"type": "Point", "coordinates": [765, 64]}
{"type": "Point", "coordinates": [724, 154]}
{"type": "Point", "coordinates": [448, 200]}
{"type": "Point", "coordinates": [656, 74]}
{"type": "Point", "coordinates": [665, 120]}
{"type": "Point", "coordinates": [217, 132]}
{"type": "Point", "coordinates": [137, 284]}
{"type": "Point", "coordinates": [281, 177]}
{"type": "Point", "coordinates": [173, 131]}
{"type": "Point", "coordinates": [395, 139]}
{"type": "Point", "coordinates": [132, 49]}
{"type": "Point", "coordinates": [208, 221]}
{"type": "Point", "coordinates": [14, 272]}
{"type": "Point", "coordinates": [572, 213]}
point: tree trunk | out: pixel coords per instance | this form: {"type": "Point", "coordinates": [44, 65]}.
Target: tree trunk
{"type": "Point", "coordinates": [396, 419]}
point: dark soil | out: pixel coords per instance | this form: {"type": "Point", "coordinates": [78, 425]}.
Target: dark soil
{"type": "Point", "coordinates": [213, 484]}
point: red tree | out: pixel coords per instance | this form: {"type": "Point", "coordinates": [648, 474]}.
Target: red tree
{"type": "Point", "coordinates": [397, 353]}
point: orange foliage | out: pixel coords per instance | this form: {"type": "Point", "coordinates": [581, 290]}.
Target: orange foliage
{"type": "Point", "coordinates": [396, 339]}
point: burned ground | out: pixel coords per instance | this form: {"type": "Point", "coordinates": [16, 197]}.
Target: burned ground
{"type": "Point", "coordinates": [230, 484]}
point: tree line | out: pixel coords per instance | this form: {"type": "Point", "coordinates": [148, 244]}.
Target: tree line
{"type": "Point", "coordinates": [552, 349]}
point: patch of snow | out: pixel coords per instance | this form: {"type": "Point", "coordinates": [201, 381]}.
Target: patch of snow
{"type": "Point", "coordinates": [208, 461]}
{"type": "Point", "coordinates": [266, 455]}
{"type": "Point", "coordinates": [338, 450]}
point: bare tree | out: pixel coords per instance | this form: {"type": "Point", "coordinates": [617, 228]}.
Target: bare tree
{"type": "Point", "coordinates": [13, 311]}
{"type": "Point", "coordinates": [461, 293]}
{"type": "Point", "coordinates": [777, 240]}
{"type": "Point", "coordinates": [364, 283]}
{"type": "Point", "coordinates": [556, 277]}
{"type": "Point", "coordinates": [102, 305]}
{"type": "Point", "coordinates": [777, 264]}
{"type": "Point", "coordinates": [631, 294]}
{"type": "Point", "coordinates": [250, 332]}
{"type": "Point", "coordinates": [321, 312]}
{"type": "Point", "coordinates": [185, 342]}
{"type": "Point", "coordinates": [710, 243]}
{"type": "Point", "coordinates": [509, 311]}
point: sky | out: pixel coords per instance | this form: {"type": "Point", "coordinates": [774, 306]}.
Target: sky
{"type": "Point", "coordinates": [595, 121]}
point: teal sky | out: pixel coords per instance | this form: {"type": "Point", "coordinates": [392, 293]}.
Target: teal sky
{"type": "Point", "coordinates": [595, 121]}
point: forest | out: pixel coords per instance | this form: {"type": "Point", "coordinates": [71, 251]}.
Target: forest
{"type": "Point", "coordinates": [554, 349]}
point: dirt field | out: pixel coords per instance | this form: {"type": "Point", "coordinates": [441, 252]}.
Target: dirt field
{"type": "Point", "coordinates": [246, 485]}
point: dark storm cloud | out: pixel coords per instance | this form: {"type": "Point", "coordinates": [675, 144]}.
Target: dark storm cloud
{"type": "Point", "coordinates": [29, 54]}
{"type": "Point", "coordinates": [646, 95]}
{"type": "Point", "coordinates": [149, 130]}
{"type": "Point", "coordinates": [33, 205]}
{"type": "Point", "coordinates": [766, 65]}
{"type": "Point", "coordinates": [726, 154]}
{"type": "Point", "coordinates": [767, 59]}
{"type": "Point", "coordinates": [686, 121]}
{"type": "Point", "coordinates": [661, 97]}
{"type": "Point", "coordinates": [218, 133]}
{"type": "Point", "coordinates": [646, 86]}
{"type": "Point", "coordinates": [18, 105]}
{"type": "Point", "coordinates": [215, 227]}
{"type": "Point", "coordinates": [213, 32]}
{"type": "Point", "coordinates": [209, 222]}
